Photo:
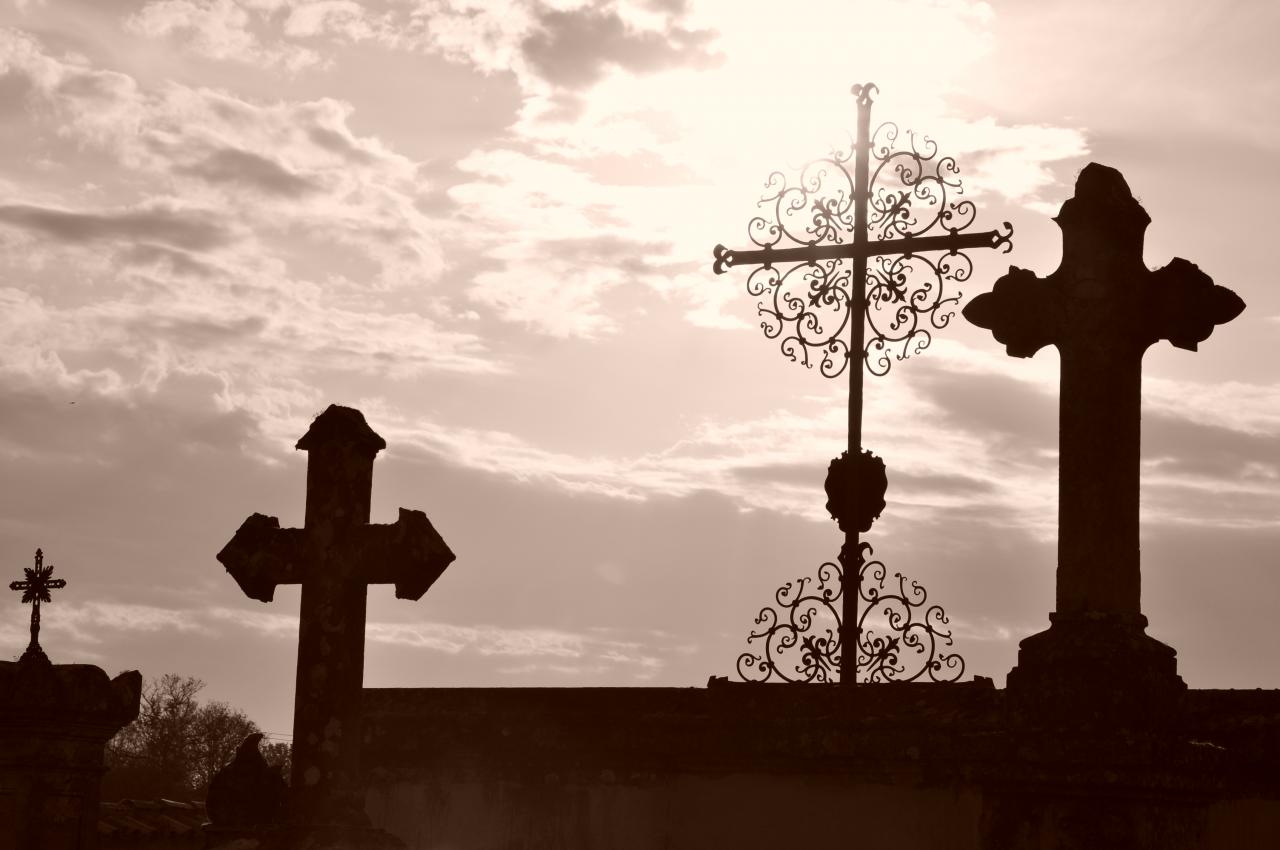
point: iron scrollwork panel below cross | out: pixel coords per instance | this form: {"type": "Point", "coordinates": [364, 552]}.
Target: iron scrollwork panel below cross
{"type": "Point", "coordinates": [902, 637]}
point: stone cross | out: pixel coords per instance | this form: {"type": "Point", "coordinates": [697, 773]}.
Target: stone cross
{"type": "Point", "coordinates": [335, 556]}
{"type": "Point", "coordinates": [35, 589]}
{"type": "Point", "coordinates": [1102, 308]}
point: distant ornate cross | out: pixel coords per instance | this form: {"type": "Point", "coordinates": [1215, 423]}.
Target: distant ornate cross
{"type": "Point", "coordinates": [1102, 308]}
{"type": "Point", "coordinates": [907, 204]}
{"type": "Point", "coordinates": [334, 557]}
{"type": "Point", "coordinates": [35, 589]}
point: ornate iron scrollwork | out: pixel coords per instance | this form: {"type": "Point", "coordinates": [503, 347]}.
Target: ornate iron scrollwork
{"type": "Point", "coordinates": [810, 301]}
{"type": "Point", "coordinates": [901, 636]}
{"type": "Point", "coordinates": [912, 194]}
{"type": "Point", "coordinates": [803, 643]}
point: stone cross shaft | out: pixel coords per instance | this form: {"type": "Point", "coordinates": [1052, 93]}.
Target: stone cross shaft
{"type": "Point", "coordinates": [1102, 308]}
{"type": "Point", "coordinates": [335, 556]}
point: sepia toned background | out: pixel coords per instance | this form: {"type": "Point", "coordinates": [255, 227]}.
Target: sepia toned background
{"type": "Point", "coordinates": [489, 225]}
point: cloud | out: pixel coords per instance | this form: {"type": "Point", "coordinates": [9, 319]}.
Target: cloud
{"type": "Point", "coordinates": [575, 47]}
{"type": "Point", "coordinates": [270, 243]}
{"type": "Point", "coordinates": [258, 172]}
{"type": "Point", "coordinates": [628, 129]}
{"type": "Point", "coordinates": [192, 230]}
{"type": "Point", "coordinates": [1175, 444]}
{"type": "Point", "coordinates": [316, 176]}
{"type": "Point", "coordinates": [561, 293]}
{"type": "Point", "coordinates": [146, 255]}
{"type": "Point", "coordinates": [614, 95]}
{"type": "Point", "coordinates": [482, 640]}
{"type": "Point", "coordinates": [197, 332]}
{"type": "Point", "coordinates": [218, 29]}
{"type": "Point", "coordinates": [347, 20]}
{"type": "Point", "coordinates": [87, 621]}
{"type": "Point", "coordinates": [92, 625]}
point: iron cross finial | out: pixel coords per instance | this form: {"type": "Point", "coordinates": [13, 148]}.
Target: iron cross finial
{"type": "Point", "coordinates": [35, 589]}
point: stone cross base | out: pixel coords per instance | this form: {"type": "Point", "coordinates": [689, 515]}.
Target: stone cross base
{"type": "Point", "coordinates": [1095, 670]}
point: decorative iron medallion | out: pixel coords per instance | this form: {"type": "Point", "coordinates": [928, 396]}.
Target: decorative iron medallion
{"type": "Point", "coordinates": [855, 490]}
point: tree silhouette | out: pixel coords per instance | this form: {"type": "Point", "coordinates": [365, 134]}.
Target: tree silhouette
{"type": "Point", "coordinates": [177, 744]}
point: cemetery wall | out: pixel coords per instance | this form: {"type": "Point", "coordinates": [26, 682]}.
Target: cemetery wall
{"type": "Point", "coordinates": [914, 765]}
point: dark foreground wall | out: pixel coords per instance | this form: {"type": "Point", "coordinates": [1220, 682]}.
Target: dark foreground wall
{"type": "Point", "coordinates": [737, 766]}
{"type": "Point", "coordinates": [55, 720]}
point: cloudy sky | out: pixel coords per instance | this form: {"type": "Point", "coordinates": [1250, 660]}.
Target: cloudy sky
{"type": "Point", "coordinates": [488, 225]}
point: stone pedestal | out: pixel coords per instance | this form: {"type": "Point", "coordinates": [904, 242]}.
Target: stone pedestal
{"type": "Point", "coordinates": [55, 720]}
{"type": "Point", "coordinates": [1095, 670]}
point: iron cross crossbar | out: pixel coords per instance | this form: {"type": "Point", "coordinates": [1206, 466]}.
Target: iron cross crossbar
{"type": "Point", "coordinates": [905, 198]}
{"type": "Point", "coordinates": [35, 589]}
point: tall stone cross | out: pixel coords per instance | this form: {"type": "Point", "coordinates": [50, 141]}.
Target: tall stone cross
{"type": "Point", "coordinates": [900, 208]}
{"type": "Point", "coordinates": [335, 556]}
{"type": "Point", "coordinates": [1102, 308]}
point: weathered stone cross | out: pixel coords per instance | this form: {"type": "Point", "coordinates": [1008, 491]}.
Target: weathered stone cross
{"type": "Point", "coordinates": [1102, 308]}
{"type": "Point", "coordinates": [334, 557]}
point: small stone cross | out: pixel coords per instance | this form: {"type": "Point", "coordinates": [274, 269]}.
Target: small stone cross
{"type": "Point", "coordinates": [35, 589]}
{"type": "Point", "coordinates": [335, 556]}
{"type": "Point", "coordinates": [1102, 308]}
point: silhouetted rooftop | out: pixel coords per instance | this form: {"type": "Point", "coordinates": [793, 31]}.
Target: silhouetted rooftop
{"type": "Point", "coordinates": [151, 823]}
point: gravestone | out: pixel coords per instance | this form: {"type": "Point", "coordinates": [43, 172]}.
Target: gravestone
{"type": "Point", "coordinates": [335, 556]}
{"type": "Point", "coordinates": [1102, 308]}
{"type": "Point", "coordinates": [55, 720]}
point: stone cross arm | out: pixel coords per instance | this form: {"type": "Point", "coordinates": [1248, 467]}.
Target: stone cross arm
{"type": "Point", "coordinates": [408, 553]}
{"type": "Point", "coordinates": [1186, 304]}
{"type": "Point", "coordinates": [1178, 302]}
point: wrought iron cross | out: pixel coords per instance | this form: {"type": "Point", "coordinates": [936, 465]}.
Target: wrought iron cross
{"type": "Point", "coordinates": [899, 207]}
{"type": "Point", "coordinates": [35, 589]}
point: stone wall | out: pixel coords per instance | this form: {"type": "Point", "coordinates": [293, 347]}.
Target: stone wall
{"type": "Point", "coordinates": [55, 720]}
{"type": "Point", "coordinates": [741, 766]}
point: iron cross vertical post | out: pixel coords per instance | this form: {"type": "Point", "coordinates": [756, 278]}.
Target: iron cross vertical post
{"type": "Point", "coordinates": [906, 198]}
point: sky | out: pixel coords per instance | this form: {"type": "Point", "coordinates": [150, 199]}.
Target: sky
{"type": "Point", "coordinates": [488, 226]}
